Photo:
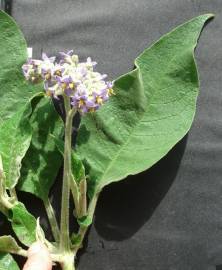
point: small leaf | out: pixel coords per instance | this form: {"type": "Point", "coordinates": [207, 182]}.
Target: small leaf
{"type": "Point", "coordinates": [8, 244]}
{"type": "Point", "coordinates": [152, 110]}
{"type": "Point", "coordinates": [78, 169]}
{"type": "Point", "coordinates": [7, 262]}
{"type": "Point", "coordinates": [23, 223]}
{"type": "Point", "coordinates": [76, 239]}
{"type": "Point", "coordinates": [85, 221]}
{"type": "Point", "coordinates": [42, 161]}
{"type": "Point", "coordinates": [15, 91]}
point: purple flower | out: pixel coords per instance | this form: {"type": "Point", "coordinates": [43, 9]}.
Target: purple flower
{"type": "Point", "coordinates": [110, 88]}
{"type": "Point", "coordinates": [80, 100]}
{"type": "Point", "coordinates": [90, 63]}
{"type": "Point", "coordinates": [66, 57]}
{"type": "Point", "coordinates": [88, 90]}
{"type": "Point", "coordinates": [47, 67]}
{"type": "Point", "coordinates": [58, 70]}
{"type": "Point", "coordinates": [47, 59]}
{"type": "Point", "coordinates": [31, 70]}
{"type": "Point", "coordinates": [50, 87]}
{"type": "Point", "coordinates": [67, 84]}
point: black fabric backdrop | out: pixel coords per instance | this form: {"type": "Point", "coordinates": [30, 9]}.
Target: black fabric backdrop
{"type": "Point", "coordinates": [169, 217]}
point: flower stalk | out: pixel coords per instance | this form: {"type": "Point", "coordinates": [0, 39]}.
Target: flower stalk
{"type": "Point", "coordinates": [83, 91]}
{"type": "Point", "coordinates": [64, 225]}
{"type": "Point", "coordinates": [52, 219]}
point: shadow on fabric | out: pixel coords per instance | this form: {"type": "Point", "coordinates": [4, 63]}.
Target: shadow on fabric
{"type": "Point", "coordinates": [124, 207]}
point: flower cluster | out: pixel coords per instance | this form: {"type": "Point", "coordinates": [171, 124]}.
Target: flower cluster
{"type": "Point", "coordinates": [87, 89]}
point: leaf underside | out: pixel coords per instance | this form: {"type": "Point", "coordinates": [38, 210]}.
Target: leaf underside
{"type": "Point", "coordinates": [8, 244]}
{"type": "Point", "coordinates": [15, 138]}
{"type": "Point", "coordinates": [23, 224]}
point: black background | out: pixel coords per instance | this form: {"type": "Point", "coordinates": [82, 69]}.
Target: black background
{"type": "Point", "coordinates": [169, 217]}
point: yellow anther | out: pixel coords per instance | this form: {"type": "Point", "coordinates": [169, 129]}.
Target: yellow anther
{"type": "Point", "coordinates": [99, 100]}
{"type": "Point", "coordinates": [81, 102]}
{"type": "Point", "coordinates": [91, 109]}
{"type": "Point", "coordinates": [48, 76]}
{"type": "Point", "coordinates": [48, 93]}
{"type": "Point", "coordinates": [64, 86]}
{"type": "Point", "coordinates": [71, 85]}
{"type": "Point", "coordinates": [111, 92]}
{"type": "Point", "coordinates": [58, 73]}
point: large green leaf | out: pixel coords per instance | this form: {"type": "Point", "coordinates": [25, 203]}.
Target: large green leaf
{"type": "Point", "coordinates": [15, 138]}
{"type": "Point", "coordinates": [152, 110]}
{"type": "Point", "coordinates": [7, 262]}
{"type": "Point", "coordinates": [14, 89]}
{"type": "Point", "coordinates": [23, 224]}
{"type": "Point", "coordinates": [42, 161]}
{"type": "Point", "coordinates": [8, 244]}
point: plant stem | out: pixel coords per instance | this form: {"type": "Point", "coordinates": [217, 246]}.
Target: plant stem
{"type": "Point", "coordinates": [75, 195]}
{"type": "Point", "coordinates": [83, 230]}
{"type": "Point", "coordinates": [83, 197]}
{"type": "Point", "coordinates": [68, 263]}
{"type": "Point", "coordinates": [64, 225]}
{"type": "Point", "coordinates": [52, 219]}
{"type": "Point", "coordinates": [13, 194]}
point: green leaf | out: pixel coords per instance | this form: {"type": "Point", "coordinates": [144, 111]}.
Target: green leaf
{"type": "Point", "coordinates": [8, 244]}
{"type": "Point", "coordinates": [7, 262]}
{"type": "Point", "coordinates": [23, 223]}
{"type": "Point", "coordinates": [76, 239]}
{"type": "Point", "coordinates": [152, 110]}
{"type": "Point", "coordinates": [15, 138]}
{"type": "Point", "coordinates": [78, 169]}
{"type": "Point", "coordinates": [85, 221]}
{"type": "Point", "coordinates": [42, 161]}
{"type": "Point", "coordinates": [15, 91]}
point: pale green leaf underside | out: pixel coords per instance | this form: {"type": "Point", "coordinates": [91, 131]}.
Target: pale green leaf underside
{"type": "Point", "coordinates": [23, 224]}
{"type": "Point", "coordinates": [152, 110]}
{"type": "Point", "coordinates": [15, 138]}
{"type": "Point", "coordinates": [8, 244]}
{"type": "Point", "coordinates": [7, 262]}
{"type": "Point", "coordinates": [14, 89]}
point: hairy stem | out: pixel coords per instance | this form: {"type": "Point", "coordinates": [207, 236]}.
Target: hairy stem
{"type": "Point", "coordinates": [52, 219]}
{"type": "Point", "coordinates": [68, 263]}
{"type": "Point", "coordinates": [83, 230]}
{"type": "Point", "coordinates": [13, 194]}
{"type": "Point", "coordinates": [64, 225]}
{"type": "Point", "coordinates": [83, 197]}
{"type": "Point", "coordinates": [75, 195]}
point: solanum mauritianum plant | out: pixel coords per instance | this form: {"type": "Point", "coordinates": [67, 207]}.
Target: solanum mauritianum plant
{"type": "Point", "coordinates": [126, 126]}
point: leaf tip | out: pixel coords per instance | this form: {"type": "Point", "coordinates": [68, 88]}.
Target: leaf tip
{"type": "Point", "coordinates": [207, 16]}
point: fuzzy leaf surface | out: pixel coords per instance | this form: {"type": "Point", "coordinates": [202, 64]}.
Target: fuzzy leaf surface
{"type": "Point", "coordinates": [15, 91]}
{"type": "Point", "coordinates": [42, 160]}
{"type": "Point", "coordinates": [23, 224]}
{"type": "Point", "coordinates": [8, 244]}
{"type": "Point", "coordinates": [152, 110]}
{"type": "Point", "coordinates": [7, 262]}
{"type": "Point", "coordinates": [15, 138]}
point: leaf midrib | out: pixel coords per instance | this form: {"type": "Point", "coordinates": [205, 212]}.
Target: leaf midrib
{"type": "Point", "coordinates": [100, 186]}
